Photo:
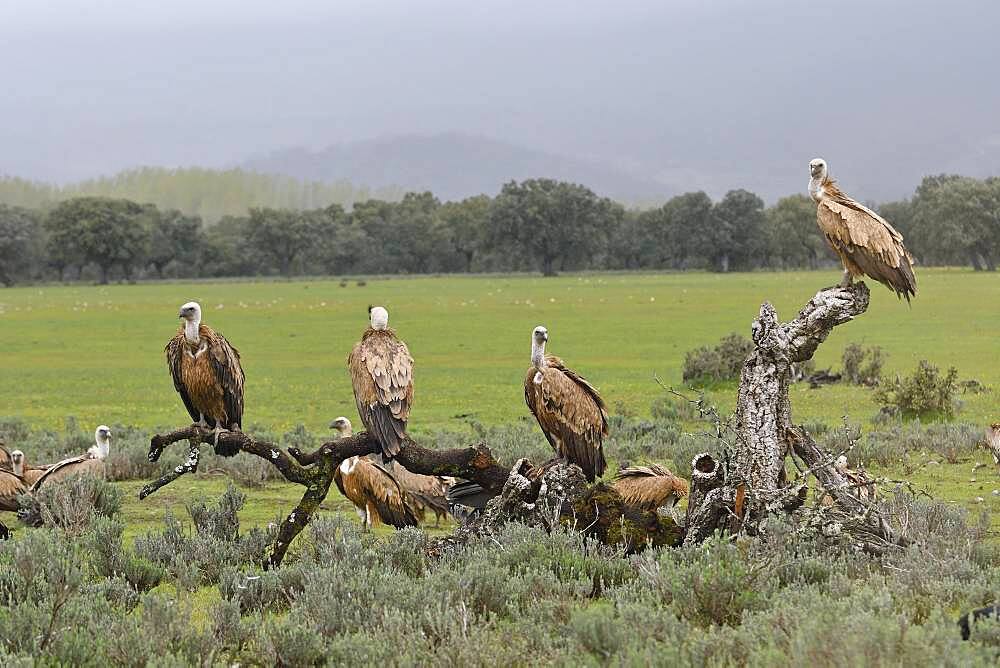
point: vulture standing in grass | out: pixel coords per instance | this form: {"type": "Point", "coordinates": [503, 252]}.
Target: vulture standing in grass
{"type": "Point", "coordinates": [374, 492]}
{"type": "Point", "coordinates": [993, 441]}
{"type": "Point", "coordinates": [207, 374]}
{"type": "Point", "coordinates": [382, 375]}
{"type": "Point", "coordinates": [90, 464]}
{"type": "Point", "coordinates": [650, 487]}
{"type": "Point", "coordinates": [866, 243]}
{"type": "Point", "coordinates": [569, 410]}
{"type": "Point", "coordinates": [31, 474]}
{"type": "Point", "coordinates": [11, 485]}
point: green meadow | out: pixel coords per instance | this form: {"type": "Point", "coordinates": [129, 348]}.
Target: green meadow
{"type": "Point", "coordinates": [96, 352]}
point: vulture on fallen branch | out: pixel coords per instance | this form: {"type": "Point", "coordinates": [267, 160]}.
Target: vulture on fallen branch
{"type": "Point", "coordinates": [11, 485]}
{"type": "Point", "coordinates": [376, 495]}
{"type": "Point", "coordinates": [569, 410]}
{"type": "Point", "coordinates": [865, 242]}
{"type": "Point", "coordinates": [90, 464]}
{"type": "Point", "coordinates": [421, 492]}
{"type": "Point", "coordinates": [382, 376]}
{"type": "Point", "coordinates": [650, 487]}
{"type": "Point", "coordinates": [861, 486]}
{"type": "Point", "coordinates": [31, 474]}
{"type": "Point", "coordinates": [207, 374]}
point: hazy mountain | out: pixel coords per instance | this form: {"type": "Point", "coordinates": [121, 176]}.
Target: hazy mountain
{"type": "Point", "coordinates": [452, 166]}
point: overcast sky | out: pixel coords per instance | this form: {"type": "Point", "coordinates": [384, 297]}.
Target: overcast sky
{"type": "Point", "coordinates": [698, 94]}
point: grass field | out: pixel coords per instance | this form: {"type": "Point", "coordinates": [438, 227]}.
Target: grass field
{"type": "Point", "coordinates": [96, 352]}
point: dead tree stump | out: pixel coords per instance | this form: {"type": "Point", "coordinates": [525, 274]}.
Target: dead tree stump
{"type": "Point", "coordinates": [737, 492]}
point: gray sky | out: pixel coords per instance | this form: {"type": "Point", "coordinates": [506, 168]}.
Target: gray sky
{"type": "Point", "coordinates": [710, 95]}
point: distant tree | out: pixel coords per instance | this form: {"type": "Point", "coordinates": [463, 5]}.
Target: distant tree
{"type": "Point", "coordinates": [680, 230]}
{"type": "Point", "coordinates": [281, 236]}
{"type": "Point", "coordinates": [174, 237]}
{"type": "Point", "coordinates": [792, 236]}
{"type": "Point", "coordinates": [735, 240]}
{"type": "Point", "coordinates": [20, 243]}
{"type": "Point", "coordinates": [463, 225]}
{"type": "Point", "coordinates": [957, 219]}
{"type": "Point", "coordinates": [104, 231]}
{"type": "Point", "coordinates": [627, 247]}
{"type": "Point", "coordinates": [549, 220]}
{"type": "Point", "coordinates": [414, 237]}
{"type": "Point", "coordinates": [226, 250]}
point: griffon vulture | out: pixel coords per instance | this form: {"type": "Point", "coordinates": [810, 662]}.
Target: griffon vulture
{"type": "Point", "coordinates": [30, 473]}
{"type": "Point", "coordinates": [866, 243]}
{"type": "Point", "coordinates": [375, 494]}
{"type": "Point", "coordinates": [207, 374]}
{"type": "Point", "coordinates": [650, 487]}
{"type": "Point", "coordinates": [6, 459]}
{"type": "Point", "coordinates": [382, 375]}
{"type": "Point", "coordinates": [342, 426]}
{"type": "Point", "coordinates": [993, 441]}
{"type": "Point", "coordinates": [569, 410]}
{"type": "Point", "coordinates": [90, 464]}
{"type": "Point", "coordinates": [11, 485]}
{"type": "Point", "coordinates": [859, 484]}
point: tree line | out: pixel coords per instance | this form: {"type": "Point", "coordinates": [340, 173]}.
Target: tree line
{"type": "Point", "coordinates": [534, 225]}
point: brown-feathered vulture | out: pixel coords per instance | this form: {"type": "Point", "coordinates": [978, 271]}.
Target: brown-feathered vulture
{"type": "Point", "coordinates": [569, 410]}
{"type": "Point", "coordinates": [382, 375]}
{"type": "Point", "coordinates": [866, 243]}
{"type": "Point", "coordinates": [11, 485]}
{"type": "Point", "coordinates": [90, 464]}
{"type": "Point", "coordinates": [207, 374]}
{"type": "Point", "coordinates": [993, 441]}
{"type": "Point", "coordinates": [6, 460]}
{"type": "Point", "coordinates": [30, 473]}
{"type": "Point", "coordinates": [376, 495]}
{"type": "Point", "coordinates": [650, 487]}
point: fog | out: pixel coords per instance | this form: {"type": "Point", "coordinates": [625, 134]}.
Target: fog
{"type": "Point", "coordinates": [692, 95]}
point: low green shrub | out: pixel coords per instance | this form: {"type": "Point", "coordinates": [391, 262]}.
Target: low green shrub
{"type": "Point", "coordinates": [704, 365]}
{"type": "Point", "coordinates": [925, 393]}
{"type": "Point", "coordinates": [863, 366]}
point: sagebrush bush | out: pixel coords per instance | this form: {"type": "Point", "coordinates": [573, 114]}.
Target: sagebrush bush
{"type": "Point", "coordinates": [723, 362]}
{"type": "Point", "coordinates": [863, 366]}
{"type": "Point", "coordinates": [71, 503]}
{"type": "Point", "coordinates": [926, 392]}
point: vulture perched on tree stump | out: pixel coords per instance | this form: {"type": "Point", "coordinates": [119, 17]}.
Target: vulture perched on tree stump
{"type": "Point", "coordinates": [865, 242]}
{"type": "Point", "coordinates": [569, 410]}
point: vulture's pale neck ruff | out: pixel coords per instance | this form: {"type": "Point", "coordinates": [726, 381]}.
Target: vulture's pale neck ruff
{"type": "Point", "coordinates": [348, 465]}
{"type": "Point", "coordinates": [818, 177]}
{"type": "Point", "coordinates": [538, 339]}
{"type": "Point", "coordinates": [379, 318]}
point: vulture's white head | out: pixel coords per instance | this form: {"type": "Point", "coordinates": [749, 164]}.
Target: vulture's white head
{"type": "Point", "coordinates": [817, 168]}
{"type": "Point", "coordinates": [17, 461]}
{"type": "Point", "coordinates": [379, 317]}
{"type": "Point", "coordinates": [342, 426]}
{"type": "Point", "coordinates": [102, 435]}
{"type": "Point", "coordinates": [841, 463]}
{"type": "Point", "coordinates": [540, 335]}
{"type": "Point", "coordinates": [190, 313]}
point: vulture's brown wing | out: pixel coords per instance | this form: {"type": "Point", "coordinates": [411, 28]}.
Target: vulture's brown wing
{"type": "Point", "coordinates": [649, 486]}
{"type": "Point", "coordinates": [229, 374]}
{"type": "Point", "coordinates": [6, 463]}
{"type": "Point", "coordinates": [32, 474]}
{"type": "Point", "coordinates": [83, 465]}
{"type": "Point", "coordinates": [10, 486]}
{"type": "Point", "coordinates": [385, 494]}
{"type": "Point", "coordinates": [382, 375]}
{"type": "Point", "coordinates": [338, 478]}
{"type": "Point", "coordinates": [572, 414]}
{"type": "Point", "coordinates": [861, 236]}
{"type": "Point", "coordinates": [175, 356]}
